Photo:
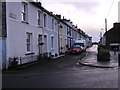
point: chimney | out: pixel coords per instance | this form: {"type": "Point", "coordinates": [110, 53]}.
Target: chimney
{"type": "Point", "coordinates": [71, 22]}
{"type": "Point", "coordinates": [51, 12]}
{"type": "Point", "coordinates": [59, 16]}
{"type": "Point", "coordinates": [38, 3]}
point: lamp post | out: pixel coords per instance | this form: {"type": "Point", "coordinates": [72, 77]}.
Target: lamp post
{"type": "Point", "coordinates": [101, 35]}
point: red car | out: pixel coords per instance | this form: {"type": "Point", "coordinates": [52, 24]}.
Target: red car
{"type": "Point", "coordinates": [76, 49]}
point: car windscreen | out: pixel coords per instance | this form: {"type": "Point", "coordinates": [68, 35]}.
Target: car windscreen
{"type": "Point", "coordinates": [81, 44]}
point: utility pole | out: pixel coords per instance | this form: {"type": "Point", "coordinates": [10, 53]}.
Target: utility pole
{"type": "Point", "coordinates": [105, 31]}
{"type": "Point", "coordinates": [105, 25]}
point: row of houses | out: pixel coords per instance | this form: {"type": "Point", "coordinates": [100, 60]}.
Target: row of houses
{"type": "Point", "coordinates": [27, 30]}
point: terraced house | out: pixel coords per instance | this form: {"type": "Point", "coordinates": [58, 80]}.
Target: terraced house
{"type": "Point", "coordinates": [27, 30]}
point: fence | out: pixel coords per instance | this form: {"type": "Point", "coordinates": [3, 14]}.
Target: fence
{"type": "Point", "coordinates": [23, 60]}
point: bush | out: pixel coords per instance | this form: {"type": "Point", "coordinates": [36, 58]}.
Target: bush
{"type": "Point", "coordinates": [103, 55]}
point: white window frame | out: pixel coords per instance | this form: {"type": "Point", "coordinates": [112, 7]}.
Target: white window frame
{"type": "Point", "coordinates": [29, 42]}
{"type": "Point", "coordinates": [40, 41]}
{"type": "Point", "coordinates": [24, 13]}
{"type": "Point", "coordinates": [39, 18]}
{"type": "Point", "coordinates": [39, 38]}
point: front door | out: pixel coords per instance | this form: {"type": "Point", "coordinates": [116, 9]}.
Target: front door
{"type": "Point", "coordinates": [45, 43]}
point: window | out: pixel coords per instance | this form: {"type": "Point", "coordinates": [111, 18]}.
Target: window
{"type": "Point", "coordinates": [45, 43]}
{"type": "Point", "coordinates": [24, 12]}
{"type": "Point", "coordinates": [29, 42]}
{"type": "Point", "coordinates": [52, 42]}
{"type": "Point", "coordinates": [52, 24]}
{"type": "Point", "coordinates": [67, 30]}
{"type": "Point", "coordinates": [40, 39]}
{"type": "Point", "coordinates": [65, 41]}
{"type": "Point", "coordinates": [45, 20]}
{"type": "Point", "coordinates": [39, 17]}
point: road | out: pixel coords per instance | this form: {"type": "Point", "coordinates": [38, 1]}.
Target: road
{"type": "Point", "coordinates": [64, 72]}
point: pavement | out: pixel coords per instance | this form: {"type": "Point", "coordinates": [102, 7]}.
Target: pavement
{"type": "Point", "coordinates": [91, 59]}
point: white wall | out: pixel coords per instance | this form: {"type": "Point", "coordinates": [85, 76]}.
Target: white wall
{"type": "Point", "coordinates": [16, 30]}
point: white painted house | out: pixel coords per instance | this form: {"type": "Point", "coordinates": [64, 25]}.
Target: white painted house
{"type": "Point", "coordinates": [23, 30]}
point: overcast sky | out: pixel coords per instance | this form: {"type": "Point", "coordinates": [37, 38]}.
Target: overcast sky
{"type": "Point", "coordinates": [89, 15]}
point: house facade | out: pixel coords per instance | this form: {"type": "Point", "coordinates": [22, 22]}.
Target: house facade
{"type": "Point", "coordinates": [63, 37]}
{"type": "Point", "coordinates": [69, 32]}
{"type": "Point", "coordinates": [23, 30]}
{"type": "Point", "coordinates": [50, 33]}
{"type": "Point", "coordinates": [28, 30]}
{"type": "Point", "coordinates": [113, 43]}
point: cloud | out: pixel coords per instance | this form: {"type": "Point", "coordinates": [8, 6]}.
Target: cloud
{"type": "Point", "coordinates": [89, 15]}
{"type": "Point", "coordinates": [85, 6]}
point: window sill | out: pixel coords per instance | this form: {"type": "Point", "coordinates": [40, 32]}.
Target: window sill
{"type": "Point", "coordinates": [52, 49]}
{"type": "Point", "coordinates": [25, 22]}
{"type": "Point", "coordinates": [32, 53]}
{"type": "Point", "coordinates": [40, 26]}
{"type": "Point", "coordinates": [44, 27]}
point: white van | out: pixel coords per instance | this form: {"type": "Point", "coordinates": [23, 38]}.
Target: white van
{"type": "Point", "coordinates": [82, 43]}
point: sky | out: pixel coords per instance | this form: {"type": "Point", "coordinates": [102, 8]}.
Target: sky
{"type": "Point", "coordinates": [89, 15]}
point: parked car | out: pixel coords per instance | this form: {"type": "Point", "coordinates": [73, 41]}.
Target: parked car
{"type": "Point", "coordinates": [76, 49]}
{"type": "Point", "coordinates": [81, 43]}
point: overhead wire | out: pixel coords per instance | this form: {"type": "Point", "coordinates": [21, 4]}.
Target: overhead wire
{"type": "Point", "coordinates": [110, 8]}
